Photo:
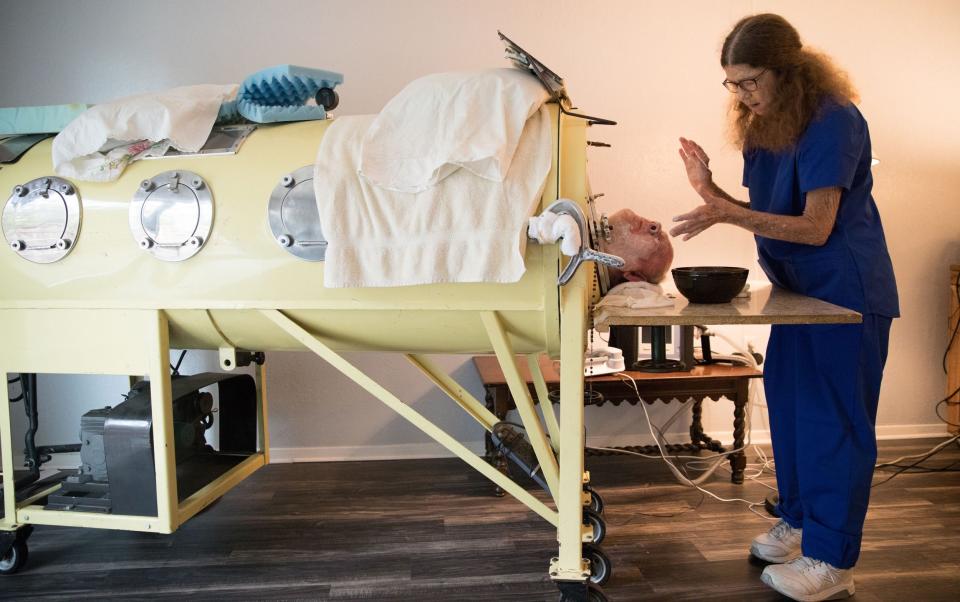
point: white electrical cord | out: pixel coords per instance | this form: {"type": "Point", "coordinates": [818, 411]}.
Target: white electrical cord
{"type": "Point", "coordinates": [932, 451]}
{"type": "Point", "coordinates": [682, 478]}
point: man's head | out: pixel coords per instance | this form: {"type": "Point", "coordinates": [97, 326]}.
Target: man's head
{"type": "Point", "coordinates": [643, 245]}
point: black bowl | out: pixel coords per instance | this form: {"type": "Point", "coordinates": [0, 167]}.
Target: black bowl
{"type": "Point", "coordinates": [709, 284]}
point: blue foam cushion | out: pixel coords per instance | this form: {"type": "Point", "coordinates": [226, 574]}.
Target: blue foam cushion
{"type": "Point", "coordinates": [280, 93]}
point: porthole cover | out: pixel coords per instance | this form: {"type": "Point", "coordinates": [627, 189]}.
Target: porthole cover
{"type": "Point", "coordinates": [171, 215]}
{"type": "Point", "coordinates": [41, 220]}
{"type": "Point", "coordinates": [293, 216]}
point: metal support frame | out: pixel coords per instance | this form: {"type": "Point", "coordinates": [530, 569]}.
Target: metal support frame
{"type": "Point", "coordinates": [315, 345]}
{"type": "Point", "coordinates": [138, 344]}
{"type": "Point", "coordinates": [543, 398]}
{"type": "Point", "coordinates": [565, 476]}
{"type": "Point", "coordinates": [454, 391]}
{"type": "Point", "coordinates": [522, 400]}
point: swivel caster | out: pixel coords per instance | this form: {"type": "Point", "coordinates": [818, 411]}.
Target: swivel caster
{"type": "Point", "coordinates": [597, 523]}
{"type": "Point", "coordinates": [581, 592]}
{"type": "Point", "coordinates": [596, 502]}
{"type": "Point", "coordinates": [15, 556]}
{"type": "Point", "coordinates": [600, 566]}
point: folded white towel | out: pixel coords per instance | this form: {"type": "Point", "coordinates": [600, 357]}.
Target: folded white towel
{"type": "Point", "coordinates": [442, 122]}
{"type": "Point", "coordinates": [549, 227]}
{"type": "Point", "coordinates": [635, 295]}
{"type": "Point", "coordinates": [464, 229]}
{"type": "Point", "coordinates": [99, 144]}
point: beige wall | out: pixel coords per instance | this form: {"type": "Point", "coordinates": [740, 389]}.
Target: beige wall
{"type": "Point", "coordinates": [652, 66]}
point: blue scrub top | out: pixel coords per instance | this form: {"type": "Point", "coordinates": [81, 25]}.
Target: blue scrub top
{"type": "Point", "coordinates": [853, 268]}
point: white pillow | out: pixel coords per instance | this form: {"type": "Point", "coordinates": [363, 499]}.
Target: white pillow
{"type": "Point", "coordinates": [442, 122]}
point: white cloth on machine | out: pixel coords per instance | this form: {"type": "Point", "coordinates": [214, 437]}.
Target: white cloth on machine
{"type": "Point", "coordinates": [99, 144]}
{"type": "Point", "coordinates": [465, 228]}
{"type": "Point", "coordinates": [549, 227]}
{"type": "Point", "coordinates": [446, 121]}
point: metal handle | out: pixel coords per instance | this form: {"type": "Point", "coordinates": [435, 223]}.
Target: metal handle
{"type": "Point", "coordinates": [565, 206]}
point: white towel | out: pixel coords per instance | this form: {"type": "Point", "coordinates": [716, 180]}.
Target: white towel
{"type": "Point", "coordinates": [549, 227]}
{"type": "Point", "coordinates": [446, 121]}
{"type": "Point", "coordinates": [99, 144]}
{"type": "Point", "coordinates": [635, 295]}
{"type": "Point", "coordinates": [463, 229]}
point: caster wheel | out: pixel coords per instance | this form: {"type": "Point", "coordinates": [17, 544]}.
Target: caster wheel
{"type": "Point", "coordinates": [600, 566]}
{"type": "Point", "coordinates": [597, 523]}
{"type": "Point", "coordinates": [15, 558]}
{"type": "Point", "coordinates": [327, 98]}
{"type": "Point", "coordinates": [596, 502]}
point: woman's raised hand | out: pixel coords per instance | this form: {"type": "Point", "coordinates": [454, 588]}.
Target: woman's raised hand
{"type": "Point", "coordinates": [697, 164]}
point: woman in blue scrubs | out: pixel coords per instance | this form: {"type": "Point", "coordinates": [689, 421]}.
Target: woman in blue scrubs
{"type": "Point", "coordinates": [806, 151]}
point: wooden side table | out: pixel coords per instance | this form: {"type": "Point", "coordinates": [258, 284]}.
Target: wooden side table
{"type": "Point", "coordinates": [703, 382]}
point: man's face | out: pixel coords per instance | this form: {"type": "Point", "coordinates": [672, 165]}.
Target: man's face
{"type": "Point", "coordinates": [643, 245]}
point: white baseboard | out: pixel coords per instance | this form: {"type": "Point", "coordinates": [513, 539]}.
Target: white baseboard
{"type": "Point", "coordinates": [402, 451]}
{"type": "Point", "coordinates": [414, 451]}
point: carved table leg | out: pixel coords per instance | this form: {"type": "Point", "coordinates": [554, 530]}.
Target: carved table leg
{"type": "Point", "coordinates": [738, 460]}
{"type": "Point", "coordinates": [696, 424]}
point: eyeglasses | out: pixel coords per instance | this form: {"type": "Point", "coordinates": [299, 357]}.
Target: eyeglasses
{"type": "Point", "coordinates": [747, 85]}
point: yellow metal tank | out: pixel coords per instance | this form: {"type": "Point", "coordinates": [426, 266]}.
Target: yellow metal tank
{"type": "Point", "coordinates": [212, 298]}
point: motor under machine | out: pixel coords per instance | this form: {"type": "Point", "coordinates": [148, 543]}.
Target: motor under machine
{"type": "Point", "coordinates": [117, 472]}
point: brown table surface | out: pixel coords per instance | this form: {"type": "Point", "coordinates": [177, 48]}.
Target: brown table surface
{"type": "Point", "coordinates": [491, 374]}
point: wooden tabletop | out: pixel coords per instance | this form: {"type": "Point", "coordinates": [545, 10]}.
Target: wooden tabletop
{"type": "Point", "coordinates": [491, 374]}
{"type": "Point", "coordinates": [765, 305]}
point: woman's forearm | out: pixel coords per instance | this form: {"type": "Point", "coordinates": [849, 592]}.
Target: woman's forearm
{"type": "Point", "coordinates": [716, 191]}
{"type": "Point", "coordinates": [811, 228]}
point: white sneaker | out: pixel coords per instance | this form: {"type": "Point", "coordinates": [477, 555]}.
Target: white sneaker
{"type": "Point", "coordinates": [780, 544]}
{"type": "Point", "coordinates": [808, 580]}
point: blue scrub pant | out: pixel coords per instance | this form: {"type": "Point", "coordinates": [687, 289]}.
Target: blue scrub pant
{"type": "Point", "coordinates": [822, 384]}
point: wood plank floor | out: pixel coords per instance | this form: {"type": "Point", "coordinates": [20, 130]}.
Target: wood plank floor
{"type": "Point", "coordinates": [430, 530]}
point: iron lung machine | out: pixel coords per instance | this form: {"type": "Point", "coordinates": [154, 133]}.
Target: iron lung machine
{"type": "Point", "coordinates": [219, 252]}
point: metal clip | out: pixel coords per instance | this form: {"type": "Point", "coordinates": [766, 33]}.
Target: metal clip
{"type": "Point", "coordinates": [175, 182]}
{"type": "Point", "coordinates": [564, 206]}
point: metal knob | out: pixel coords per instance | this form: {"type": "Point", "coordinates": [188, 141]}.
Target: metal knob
{"type": "Point", "coordinates": [288, 181]}
{"type": "Point", "coordinates": [66, 188]}
{"type": "Point", "coordinates": [18, 245]}
{"type": "Point", "coordinates": [147, 185]}
{"type": "Point", "coordinates": [146, 244]}
{"type": "Point", "coordinates": [63, 244]}
{"type": "Point", "coordinates": [285, 240]}
{"type": "Point", "coordinates": [197, 183]}
{"type": "Point", "coordinates": [194, 241]}
{"type": "Point", "coordinates": [20, 191]}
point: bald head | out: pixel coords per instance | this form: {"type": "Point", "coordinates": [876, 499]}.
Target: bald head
{"type": "Point", "coordinates": [643, 245]}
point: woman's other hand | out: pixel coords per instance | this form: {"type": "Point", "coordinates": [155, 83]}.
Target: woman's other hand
{"type": "Point", "coordinates": [697, 164]}
{"type": "Point", "coordinates": [698, 220]}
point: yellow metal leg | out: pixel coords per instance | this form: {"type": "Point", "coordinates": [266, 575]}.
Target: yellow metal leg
{"type": "Point", "coordinates": [543, 396]}
{"type": "Point", "coordinates": [570, 565]}
{"type": "Point", "coordinates": [454, 390]}
{"type": "Point", "coordinates": [522, 400]}
{"type": "Point", "coordinates": [263, 426]}
{"type": "Point", "coordinates": [6, 450]}
{"type": "Point", "coordinates": [161, 408]}
{"type": "Point", "coordinates": [433, 431]}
